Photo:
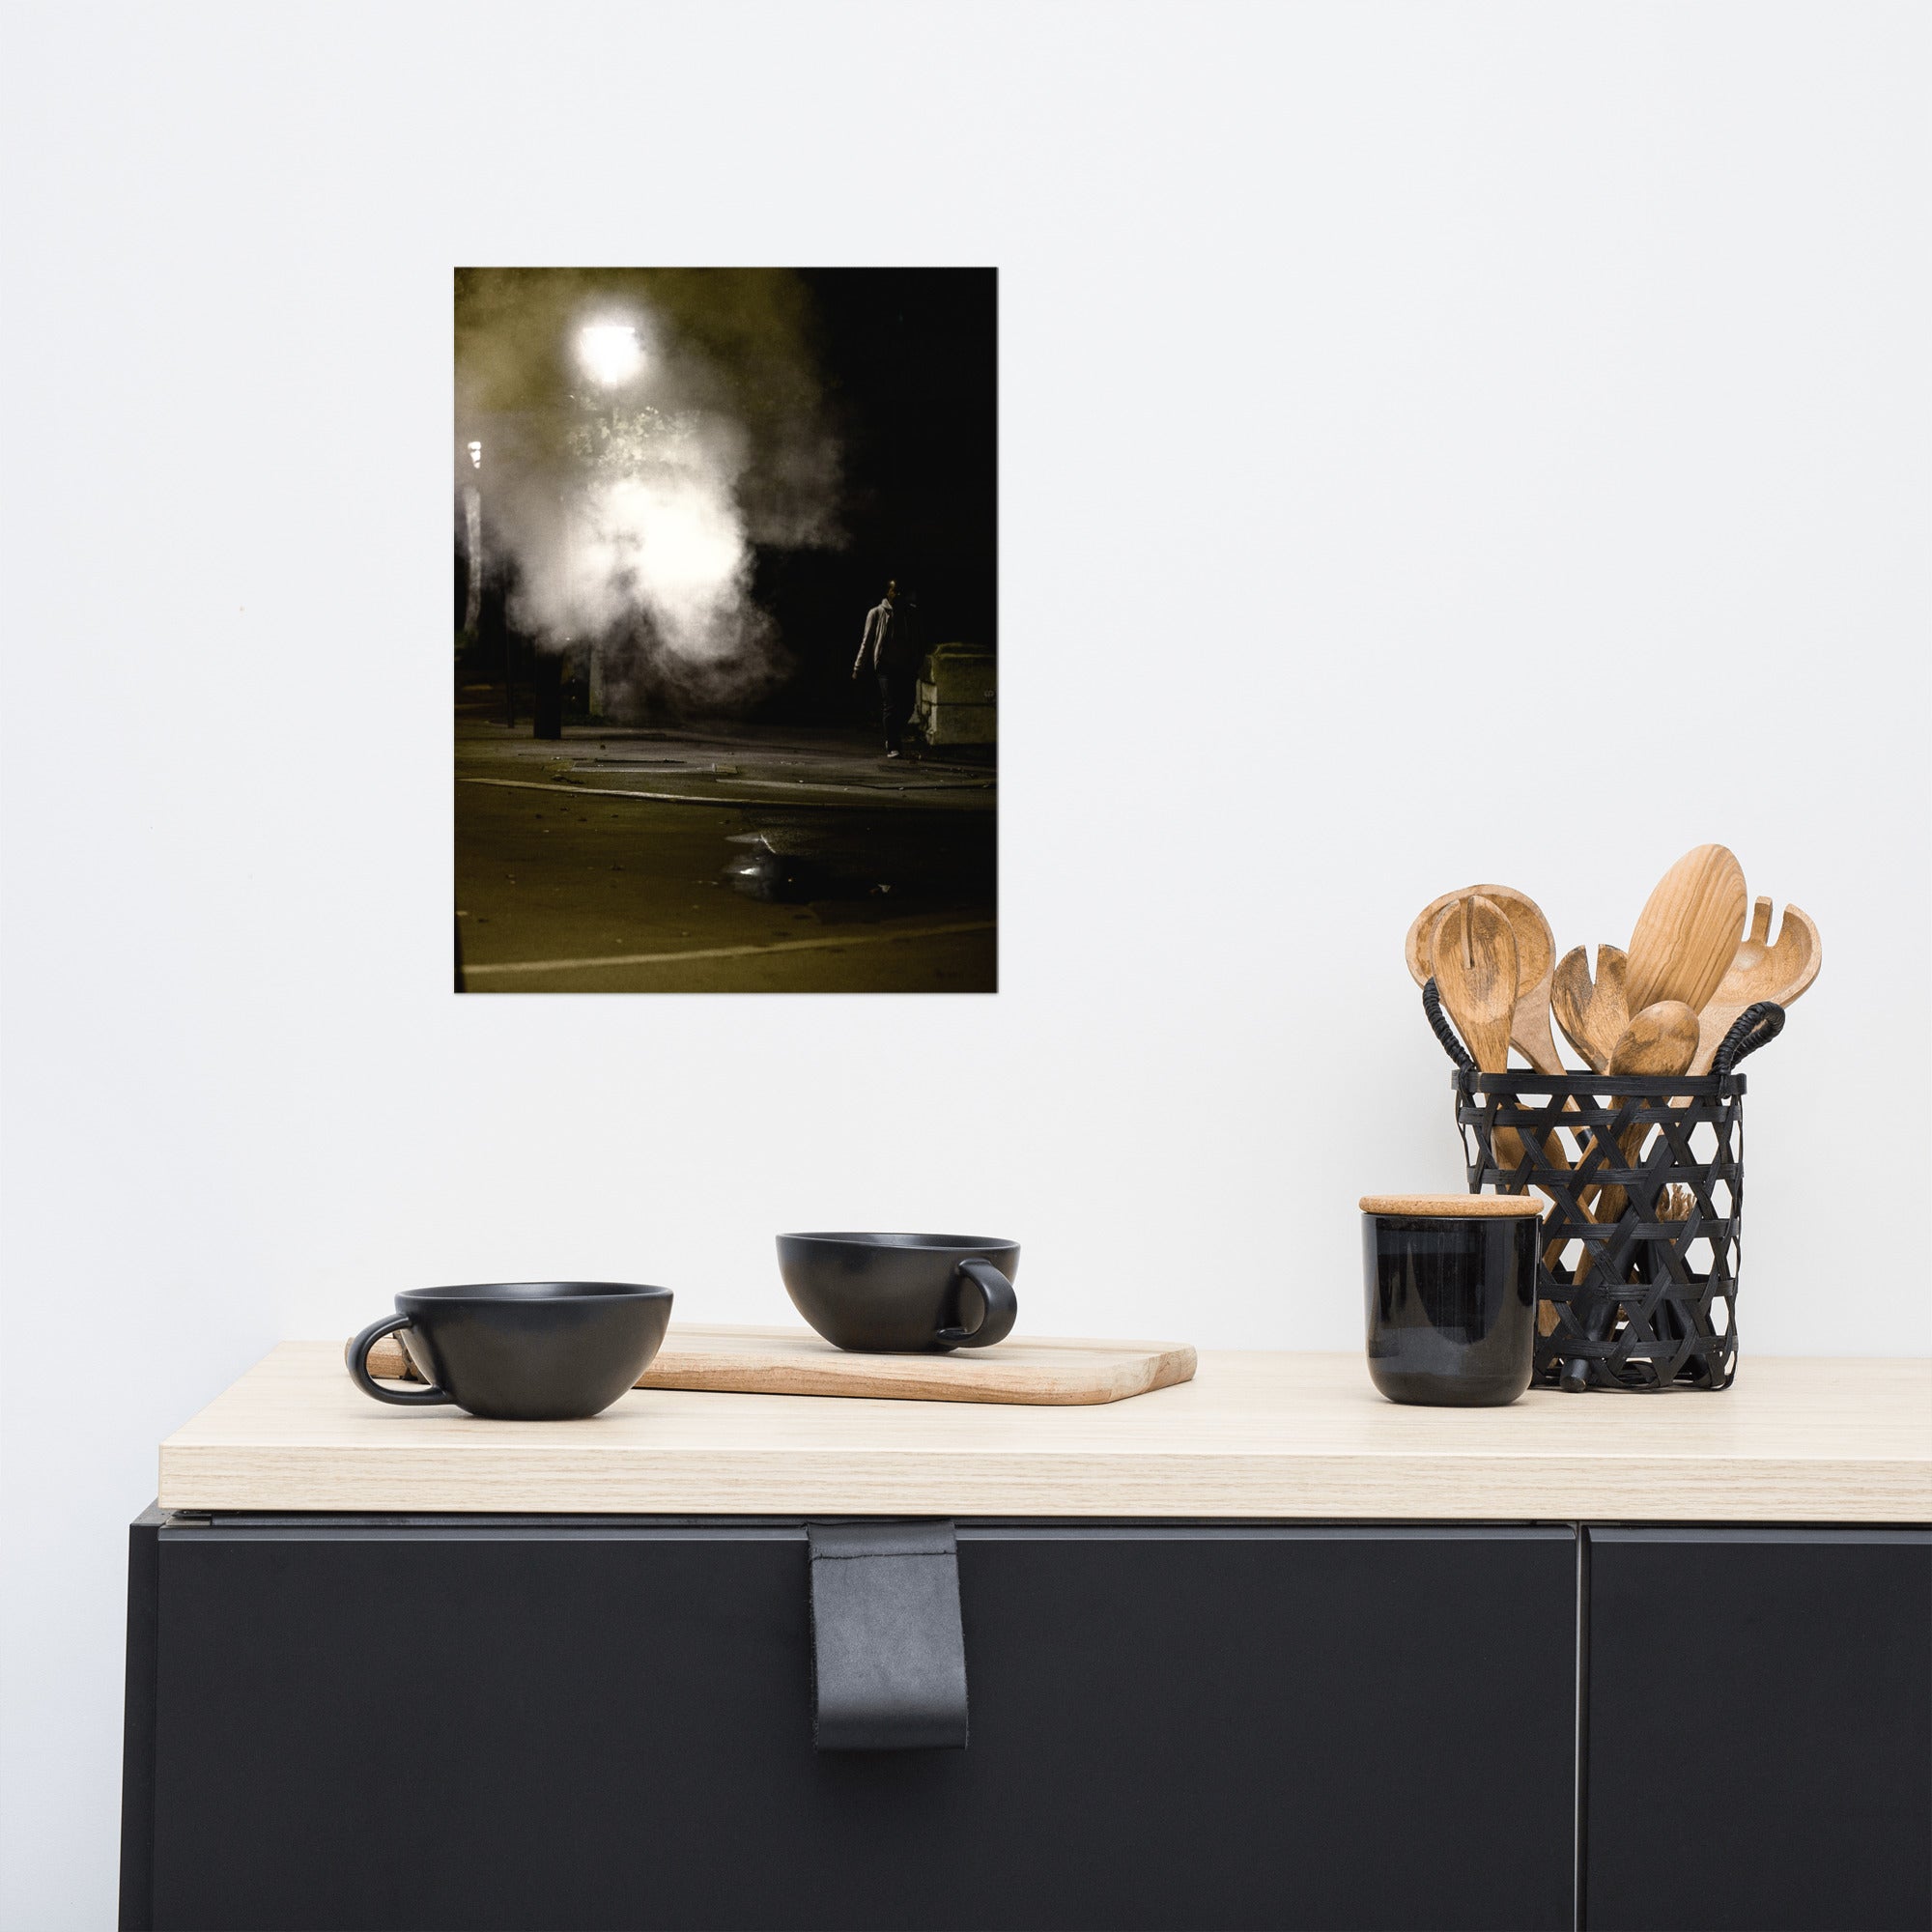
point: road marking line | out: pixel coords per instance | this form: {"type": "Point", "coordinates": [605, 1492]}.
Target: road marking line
{"type": "Point", "coordinates": [729, 952]}
{"type": "Point", "coordinates": [563, 790]}
{"type": "Point", "coordinates": [873, 788]}
{"type": "Point", "coordinates": [849, 803]}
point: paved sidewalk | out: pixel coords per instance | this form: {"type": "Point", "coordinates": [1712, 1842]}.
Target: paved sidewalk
{"type": "Point", "coordinates": [754, 767]}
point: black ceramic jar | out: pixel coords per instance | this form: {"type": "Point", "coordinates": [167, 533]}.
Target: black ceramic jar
{"type": "Point", "coordinates": [1450, 1283]}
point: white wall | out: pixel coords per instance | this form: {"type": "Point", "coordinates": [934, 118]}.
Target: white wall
{"type": "Point", "coordinates": [1441, 444]}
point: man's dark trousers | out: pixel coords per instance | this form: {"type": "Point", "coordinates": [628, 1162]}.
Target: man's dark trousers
{"type": "Point", "coordinates": [894, 701]}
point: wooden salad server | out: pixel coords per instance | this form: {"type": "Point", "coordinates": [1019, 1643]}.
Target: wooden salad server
{"type": "Point", "coordinates": [1471, 949]}
{"type": "Point", "coordinates": [1759, 970]}
{"type": "Point", "coordinates": [1535, 961]}
{"type": "Point", "coordinates": [1688, 934]}
{"type": "Point", "coordinates": [1472, 955]}
{"type": "Point", "coordinates": [1592, 1016]}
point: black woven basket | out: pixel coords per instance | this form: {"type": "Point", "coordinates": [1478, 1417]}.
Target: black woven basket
{"type": "Point", "coordinates": [1639, 1302]}
{"type": "Point", "coordinates": [1643, 1302]}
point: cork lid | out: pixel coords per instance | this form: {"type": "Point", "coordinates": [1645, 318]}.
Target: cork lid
{"type": "Point", "coordinates": [1465, 1206]}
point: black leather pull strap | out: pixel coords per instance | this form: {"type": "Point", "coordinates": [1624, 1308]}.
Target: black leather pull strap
{"type": "Point", "coordinates": [889, 1657]}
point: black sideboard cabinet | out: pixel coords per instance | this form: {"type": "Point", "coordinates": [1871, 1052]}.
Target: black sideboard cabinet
{"type": "Point", "coordinates": [1759, 1719]}
{"type": "Point", "coordinates": [598, 1721]}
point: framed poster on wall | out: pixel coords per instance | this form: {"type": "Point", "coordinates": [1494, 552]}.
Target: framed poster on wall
{"type": "Point", "coordinates": [726, 629]}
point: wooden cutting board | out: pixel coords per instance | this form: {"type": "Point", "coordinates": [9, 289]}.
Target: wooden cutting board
{"type": "Point", "coordinates": [794, 1361]}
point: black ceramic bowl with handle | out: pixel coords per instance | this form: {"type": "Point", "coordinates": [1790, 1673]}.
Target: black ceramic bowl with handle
{"type": "Point", "coordinates": [520, 1350]}
{"type": "Point", "coordinates": [902, 1295]}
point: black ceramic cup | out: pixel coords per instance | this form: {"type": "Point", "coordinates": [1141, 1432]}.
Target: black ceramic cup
{"type": "Point", "coordinates": [902, 1295]}
{"type": "Point", "coordinates": [520, 1350]}
{"type": "Point", "coordinates": [1451, 1288]}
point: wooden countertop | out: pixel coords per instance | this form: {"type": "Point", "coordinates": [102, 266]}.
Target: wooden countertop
{"type": "Point", "coordinates": [1253, 1435]}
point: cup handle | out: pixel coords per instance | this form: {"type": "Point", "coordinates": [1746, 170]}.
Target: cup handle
{"type": "Point", "coordinates": [357, 1355]}
{"type": "Point", "coordinates": [999, 1307]}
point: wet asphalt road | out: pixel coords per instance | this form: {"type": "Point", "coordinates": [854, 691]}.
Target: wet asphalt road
{"type": "Point", "coordinates": [563, 893]}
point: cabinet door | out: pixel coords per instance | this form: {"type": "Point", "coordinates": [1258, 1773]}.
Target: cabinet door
{"type": "Point", "coordinates": [607, 1723]}
{"type": "Point", "coordinates": [1760, 1730]}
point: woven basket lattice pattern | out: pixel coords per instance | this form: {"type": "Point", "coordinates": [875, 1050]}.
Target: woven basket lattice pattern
{"type": "Point", "coordinates": [1643, 1302]}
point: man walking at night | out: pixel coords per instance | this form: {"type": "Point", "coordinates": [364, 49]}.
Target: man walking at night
{"type": "Point", "coordinates": [886, 645]}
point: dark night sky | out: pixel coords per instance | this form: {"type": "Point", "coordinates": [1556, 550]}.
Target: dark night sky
{"type": "Point", "coordinates": [905, 366]}
{"type": "Point", "coordinates": [908, 358]}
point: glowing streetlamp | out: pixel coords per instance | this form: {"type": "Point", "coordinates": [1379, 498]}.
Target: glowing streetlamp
{"type": "Point", "coordinates": [610, 351]}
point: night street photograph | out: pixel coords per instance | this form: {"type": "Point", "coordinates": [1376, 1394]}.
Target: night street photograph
{"type": "Point", "coordinates": [724, 670]}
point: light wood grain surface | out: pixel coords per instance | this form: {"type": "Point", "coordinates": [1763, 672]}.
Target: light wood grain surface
{"type": "Point", "coordinates": [1253, 1435]}
{"type": "Point", "coordinates": [794, 1361]}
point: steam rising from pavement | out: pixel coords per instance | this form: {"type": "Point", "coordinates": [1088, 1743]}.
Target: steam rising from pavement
{"type": "Point", "coordinates": [647, 556]}
{"type": "Point", "coordinates": [626, 506]}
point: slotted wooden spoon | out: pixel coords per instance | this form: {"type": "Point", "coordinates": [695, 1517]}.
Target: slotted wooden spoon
{"type": "Point", "coordinates": [1535, 961]}
{"type": "Point", "coordinates": [1472, 955]}
{"type": "Point", "coordinates": [1592, 1016]}
{"type": "Point", "coordinates": [1471, 949]}
{"type": "Point", "coordinates": [1759, 970]}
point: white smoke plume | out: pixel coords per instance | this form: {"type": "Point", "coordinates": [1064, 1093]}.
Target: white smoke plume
{"type": "Point", "coordinates": [649, 557]}
{"type": "Point", "coordinates": [627, 473]}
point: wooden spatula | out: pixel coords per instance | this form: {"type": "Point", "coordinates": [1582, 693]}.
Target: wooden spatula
{"type": "Point", "coordinates": [1688, 934]}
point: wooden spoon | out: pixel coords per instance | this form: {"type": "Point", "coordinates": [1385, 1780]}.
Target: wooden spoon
{"type": "Point", "coordinates": [1759, 970]}
{"type": "Point", "coordinates": [1688, 934]}
{"type": "Point", "coordinates": [1662, 1040]}
{"type": "Point", "coordinates": [1535, 959]}
{"type": "Point", "coordinates": [1593, 1017]}
{"type": "Point", "coordinates": [1659, 1042]}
